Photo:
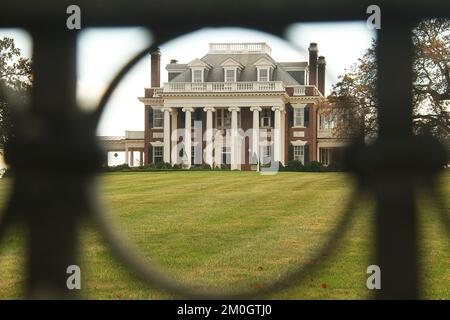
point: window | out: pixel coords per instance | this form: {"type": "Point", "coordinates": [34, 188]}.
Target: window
{"type": "Point", "coordinates": [299, 117]}
{"type": "Point", "coordinates": [299, 153]}
{"type": "Point", "coordinates": [158, 154]}
{"type": "Point", "coordinates": [230, 75]}
{"type": "Point", "coordinates": [197, 75]}
{"type": "Point", "coordinates": [223, 119]}
{"type": "Point", "coordinates": [266, 118]}
{"type": "Point", "coordinates": [325, 156]}
{"type": "Point", "coordinates": [226, 155]}
{"type": "Point", "coordinates": [266, 154]}
{"type": "Point", "coordinates": [193, 155]}
{"type": "Point", "coordinates": [326, 122]}
{"type": "Point", "coordinates": [263, 74]}
{"type": "Point", "coordinates": [158, 118]}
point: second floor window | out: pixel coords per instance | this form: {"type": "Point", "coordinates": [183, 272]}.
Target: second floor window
{"type": "Point", "coordinates": [326, 121]}
{"type": "Point", "coordinates": [299, 117]}
{"type": "Point", "coordinates": [223, 119]}
{"type": "Point", "coordinates": [266, 118]}
{"type": "Point", "coordinates": [158, 118]}
{"type": "Point", "coordinates": [197, 76]}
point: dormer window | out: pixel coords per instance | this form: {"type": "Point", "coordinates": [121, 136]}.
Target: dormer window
{"type": "Point", "coordinates": [230, 75]}
{"type": "Point", "coordinates": [264, 67]}
{"type": "Point", "coordinates": [263, 74]}
{"type": "Point", "coordinates": [198, 69]}
{"type": "Point", "coordinates": [231, 70]}
{"type": "Point", "coordinates": [197, 75]}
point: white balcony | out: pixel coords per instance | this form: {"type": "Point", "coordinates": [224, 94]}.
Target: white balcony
{"type": "Point", "coordinates": [219, 87]}
{"type": "Point", "coordinates": [224, 48]}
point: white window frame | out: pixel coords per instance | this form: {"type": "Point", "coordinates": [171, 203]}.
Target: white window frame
{"type": "Point", "coordinates": [268, 74]}
{"type": "Point", "coordinates": [202, 72]}
{"type": "Point", "coordinates": [325, 156]}
{"type": "Point", "coordinates": [155, 111]}
{"type": "Point", "coordinates": [154, 153]}
{"type": "Point", "coordinates": [299, 119]}
{"type": "Point", "coordinates": [299, 153]}
{"type": "Point", "coordinates": [226, 78]}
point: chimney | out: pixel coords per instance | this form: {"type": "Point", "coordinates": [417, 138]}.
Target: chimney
{"type": "Point", "coordinates": [313, 51]}
{"type": "Point", "coordinates": [155, 68]}
{"type": "Point", "coordinates": [321, 63]}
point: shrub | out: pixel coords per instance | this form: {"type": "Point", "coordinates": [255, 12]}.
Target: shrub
{"type": "Point", "coordinates": [176, 167]}
{"type": "Point", "coordinates": [206, 166]}
{"type": "Point", "coordinates": [163, 165]}
{"type": "Point", "coordinates": [313, 166]}
{"type": "Point", "coordinates": [295, 165]}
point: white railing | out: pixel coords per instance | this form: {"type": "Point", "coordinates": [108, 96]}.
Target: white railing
{"type": "Point", "coordinates": [157, 92]}
{"type": "Point", "coordinates": [259, 47]}
{"type": "Point", "coordinates": [253, 86]}
{"type": "Point", "coordinates": [299, 91]}
{"type": "Point", "coordinates": [302, 91]}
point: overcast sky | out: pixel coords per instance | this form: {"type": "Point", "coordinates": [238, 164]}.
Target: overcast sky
{"type": "Point", "coordinates": [103, 52]}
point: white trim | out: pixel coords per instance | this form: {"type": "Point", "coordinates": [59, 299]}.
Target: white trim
{"type": "Point", "coordinates": [234, 69]}
{"type": "Point", "coordinates": [299, 142]}
{"type": "Point", "coordinates": [259, 69]}
{"type": "Point", "coordinates": [197, 63]}
{"type": "Point", "coordinates": [230, 62]}
{"type": "Point", "coordinates": [264, 62]}
{"type": "Point", "coordinates": [202, 70]}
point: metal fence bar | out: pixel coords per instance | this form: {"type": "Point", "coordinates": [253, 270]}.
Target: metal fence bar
{"type": "Point", "coordinates": [396, 237]}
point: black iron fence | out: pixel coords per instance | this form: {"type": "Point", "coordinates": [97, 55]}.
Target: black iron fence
{"type": "Point", "coordinates": [55, 154]}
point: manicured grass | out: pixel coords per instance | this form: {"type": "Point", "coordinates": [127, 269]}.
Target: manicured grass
{"type": "Point", "coordinates": [234, 230]}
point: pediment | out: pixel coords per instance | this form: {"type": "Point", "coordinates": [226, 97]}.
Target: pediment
{"type": "Point", "coordinates": [264, 62]}
{"type": "Point", "coordinates": [230, 62]}
{"type": "Point", "coordinates": [197, 63]}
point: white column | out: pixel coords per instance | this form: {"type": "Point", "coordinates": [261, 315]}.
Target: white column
{"type": "Point", "coordinates": [277, 133]}
{"type": "Point", "coordinates": [209, 136]}
{"type": "Point", "coordinates": [234, 138]}
{"type": "Point", "coordinates": [188, 135]}
{"type": "Point", "coordinates": [174, 138]}
{"type": "Point", "coordinates": [255, 133]}
{"type": "Point", "coordinates": [166, 135]}
{"type": "Point", "coordinates": [127, 157]}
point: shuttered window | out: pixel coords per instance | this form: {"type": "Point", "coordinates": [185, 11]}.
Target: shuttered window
{"type": "Point", "coordinates": [299, 153]}
{"type": "Point", "coordinates": [299, 117]}
{"type": "Point", "coordinates": [158, 154]}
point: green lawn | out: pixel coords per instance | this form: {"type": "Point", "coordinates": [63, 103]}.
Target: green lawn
{"type": "Point", "coordinates": [230, 230]}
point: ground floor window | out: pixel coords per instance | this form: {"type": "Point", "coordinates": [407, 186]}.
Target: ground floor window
{"type": "Point", "coordinates": [158, 154]}
{"type": "Point", "coordinates": [226, 155]}
{"type": "Point", "coordinates": [299, 153]}
{"type": "Point", "coordinates": [266, 154]}
{"type": "Point", "coordinates": [325, 156]}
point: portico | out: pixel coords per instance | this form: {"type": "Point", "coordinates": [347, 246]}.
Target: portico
{"type": "Point", "coordinates": [226, 137]}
